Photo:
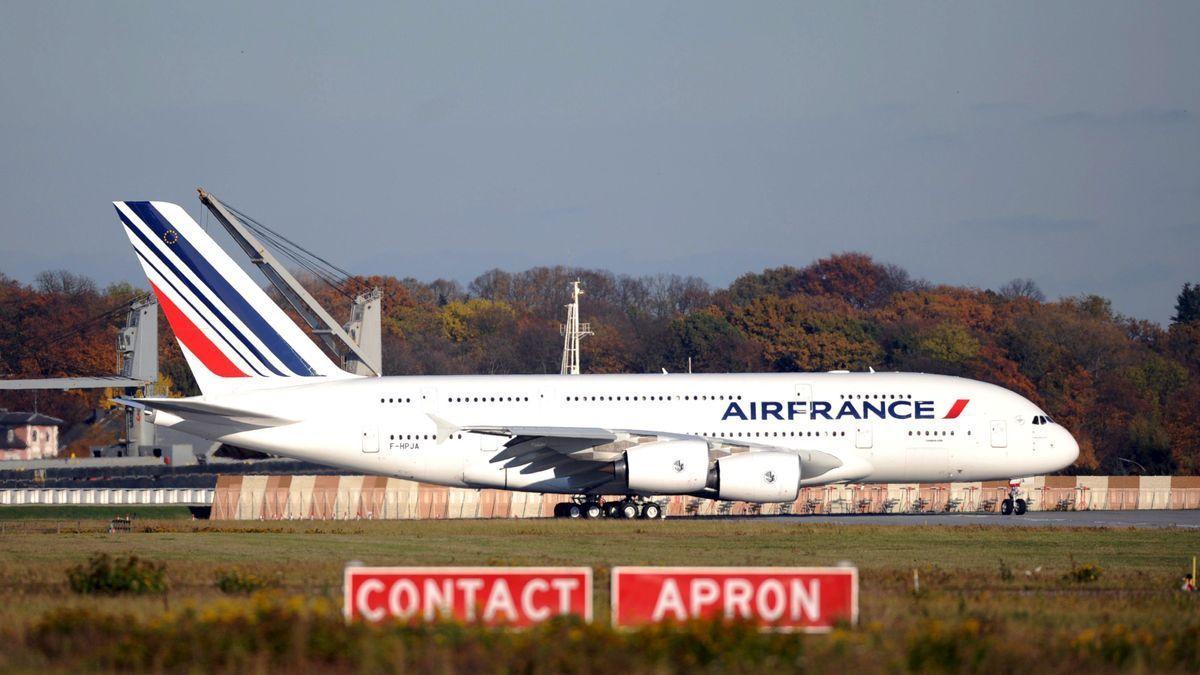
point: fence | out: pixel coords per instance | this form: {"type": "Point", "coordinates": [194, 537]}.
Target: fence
{"type": "Point", "coordinates": [106, 496]}
{"type": "Point", "coordinates": [377, 497]}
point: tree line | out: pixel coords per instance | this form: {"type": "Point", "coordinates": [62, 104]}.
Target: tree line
{"type": "Point", "coordinates": [1128, 389]}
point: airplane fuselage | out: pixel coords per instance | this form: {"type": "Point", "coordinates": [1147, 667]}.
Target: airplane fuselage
{"type": "Point", "coordinates": [885, 427]}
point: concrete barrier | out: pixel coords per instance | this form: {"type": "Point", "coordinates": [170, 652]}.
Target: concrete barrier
{"type": "Point", "coordinates": [379, 498]}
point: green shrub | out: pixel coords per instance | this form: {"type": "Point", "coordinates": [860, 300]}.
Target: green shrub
{"type": "Point", "coordinates": [1083, 573]}
{"type": "Point", "coordinates": [270, 632]}
{"type": "Point", "coordinates": [105, 575]}
{"type": "Point", "coordinates": [1118, 644]}
{"type": "Point", "coordinates": [935, 644]}
{"type": "Point", "coordinates": [236, 582]}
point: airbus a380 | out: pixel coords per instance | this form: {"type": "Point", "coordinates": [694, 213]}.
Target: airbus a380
{"type": "Point", "coordinates": [754, 437]}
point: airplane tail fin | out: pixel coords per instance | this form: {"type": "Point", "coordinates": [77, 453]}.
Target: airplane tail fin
{"type": "Point", "coordinates": [235, 338]}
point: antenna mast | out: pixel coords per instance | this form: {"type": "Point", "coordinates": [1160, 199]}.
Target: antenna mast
{"type": "Point", "coordinates": [572, 332]}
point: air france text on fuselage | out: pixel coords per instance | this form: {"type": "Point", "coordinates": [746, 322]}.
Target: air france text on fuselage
{"type": "Point", "coordinates": [901, 409]}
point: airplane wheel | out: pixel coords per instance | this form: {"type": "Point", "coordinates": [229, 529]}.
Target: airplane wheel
{"type": "Point", "coordinates": [592, 510]}
{"type": "Point", "coordinates": [1020, 507]}
{"type": "Point", "coordinates": [573, 511]}
{"type": "Point", "coordinates": [610, 510]}
{"type": "Point", "coordinates": [1006, 507]}
{"type": "Point", "coordinates": [651, 511]}
{"type": "Point", "coordinates": [559, 510]}
{"type": "Point", "coordinates": [628, 510]}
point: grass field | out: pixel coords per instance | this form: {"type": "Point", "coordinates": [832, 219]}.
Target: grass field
{"type": "Point", "coordinates": [992, 599]}
{"type": "Point", "coordinates": [68, 513]}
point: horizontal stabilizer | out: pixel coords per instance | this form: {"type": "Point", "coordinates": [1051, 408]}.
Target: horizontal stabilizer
{"type": "Point", "coordinates": [207, 413]}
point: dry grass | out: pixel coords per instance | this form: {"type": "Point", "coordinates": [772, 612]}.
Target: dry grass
{"type": "Point", "coordinates": [1003, 595]}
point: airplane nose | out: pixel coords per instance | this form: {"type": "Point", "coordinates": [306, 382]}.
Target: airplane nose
{"type": "Point", "coordinates": [1066, 449]}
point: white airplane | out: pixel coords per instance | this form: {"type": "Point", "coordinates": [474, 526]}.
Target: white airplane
{"type": "Point", "coordinates": [753, 437]}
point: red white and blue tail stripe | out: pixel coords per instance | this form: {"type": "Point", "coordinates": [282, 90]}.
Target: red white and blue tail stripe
{"type": "Point", "coordinates": [233, 335]}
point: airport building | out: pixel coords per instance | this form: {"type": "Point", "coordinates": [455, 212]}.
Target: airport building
{"type": "Point", "coordinates": [28, 435]}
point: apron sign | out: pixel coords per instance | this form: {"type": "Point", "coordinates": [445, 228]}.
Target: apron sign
{"type": "Point", "coordinates": [507, 596]}
{"type": "Point", "coordinates": [808, 599]}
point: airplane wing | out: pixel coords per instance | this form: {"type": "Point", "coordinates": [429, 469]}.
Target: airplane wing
{"type": "Point", "coordinates": [577, 450]}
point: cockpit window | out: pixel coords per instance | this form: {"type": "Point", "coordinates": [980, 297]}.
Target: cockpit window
{"type": "Point", "coordinates": [1042, 419]}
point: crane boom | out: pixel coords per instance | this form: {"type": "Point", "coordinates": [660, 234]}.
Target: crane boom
{"type": "Point", "coordinates": [322, 324]}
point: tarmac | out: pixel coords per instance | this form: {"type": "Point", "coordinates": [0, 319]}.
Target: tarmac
{"type": "Point", "coordinates": [1140, 519]}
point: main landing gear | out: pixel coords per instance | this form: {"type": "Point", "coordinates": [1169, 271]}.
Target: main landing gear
{"type": "Point", "coordinates": [1013, 506]}
{"type": "Point", "coordinates": [592, 507]}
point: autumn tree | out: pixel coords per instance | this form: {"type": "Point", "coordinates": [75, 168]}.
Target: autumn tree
{"type": "Point", "coordinates": [799, 334]}
{"type": "Point", "coordinates": [1129, 390]}
{"type": "Point", "coordinates": [712, 344]}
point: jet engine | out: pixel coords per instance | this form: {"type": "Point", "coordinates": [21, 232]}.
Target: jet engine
{"type": "Point", "coordinates": [665, 467]}
{"type": "Point", "coordinates": [767, 476]}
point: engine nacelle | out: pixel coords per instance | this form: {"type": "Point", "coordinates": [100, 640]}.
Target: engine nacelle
{"type": "Point", "coordinates": [666, 467]}
{"type": "Point", "coordinates": [767, 476]}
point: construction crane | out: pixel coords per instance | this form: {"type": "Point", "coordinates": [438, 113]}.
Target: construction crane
{"type": "Point", "coordinates": [573, 332]}
{"type": "Point", "coordinates": [137, 346]}
{"type": "Point", "coordinates": [361, 343]}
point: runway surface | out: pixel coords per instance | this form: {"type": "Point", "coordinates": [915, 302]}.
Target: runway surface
{"type": "Point", "coordinates": [1180, 519]}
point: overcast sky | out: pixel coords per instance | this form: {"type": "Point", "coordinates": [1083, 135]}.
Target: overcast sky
{"type": "Point", "coordinates": [970, 143]}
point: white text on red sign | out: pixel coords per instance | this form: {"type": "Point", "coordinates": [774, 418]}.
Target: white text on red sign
{"type": "Point", "coordinates": [787, 598]}
{"type": "Point", "coordinates": [512, 596]}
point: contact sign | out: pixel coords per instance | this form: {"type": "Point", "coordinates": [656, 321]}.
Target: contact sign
{"type": "Point", "coordinates": [502, 596]}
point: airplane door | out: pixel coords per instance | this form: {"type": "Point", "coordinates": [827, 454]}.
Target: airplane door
{"type": "Point", "coordinates": [804, 398]}
{"type": "Point", "coordinates": [370, 440]}
{"type": "Point", "coordinates": [863, 437]}
{"type": "Point", "coordinates": [999, 434]}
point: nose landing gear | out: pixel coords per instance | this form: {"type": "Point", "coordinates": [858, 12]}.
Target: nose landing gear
{"type": "Point", "coordinates": [1013, 506]}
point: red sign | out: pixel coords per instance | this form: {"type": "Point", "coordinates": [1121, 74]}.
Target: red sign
{"type": "Point", "coordinates": [511, 596]}
{"type": "Point", "coordinates": [811, 599]}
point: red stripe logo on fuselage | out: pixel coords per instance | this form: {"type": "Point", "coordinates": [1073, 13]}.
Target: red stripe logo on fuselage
{"type": "Point", "coordinates": [957, 408]}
